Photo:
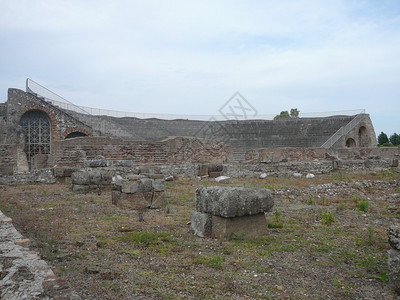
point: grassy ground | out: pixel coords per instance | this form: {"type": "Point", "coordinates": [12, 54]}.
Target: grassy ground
{"type": "Point", "coordinates": [325, 241]}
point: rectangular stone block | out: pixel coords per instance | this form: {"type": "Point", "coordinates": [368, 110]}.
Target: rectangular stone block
{"type": "Point", "coordinates": [158, 200]}
{"type": "Point", "coordinates": [394, 269]}
{"type": "Point", "coordinates": [231, 202]}
{"type": "Point", "coordinates": [246, 226]}
{"type": "Point", "coordinates": [200, 223]}
{"type": "Point", "coordinates": [159, 185]}
{"type": "Point", "coordinates": [130, 187]}
{"type": "Point", "coordinates": [131, 201]}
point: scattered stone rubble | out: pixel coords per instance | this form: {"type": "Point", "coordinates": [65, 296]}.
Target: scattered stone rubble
{"type": "Point", "coordinates": [139, 191]}
{"type": "Point", "coordinates": [394, 258]}
{"type": "Point", "coordinates": [225, 211]}
{"type": "Point", "coordinates": [23, 275]}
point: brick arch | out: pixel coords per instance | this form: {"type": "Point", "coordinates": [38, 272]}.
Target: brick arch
{"type": "Point", "coordinates": [51, 116]}
{"type": "Point", "coordinates": [75, 129]}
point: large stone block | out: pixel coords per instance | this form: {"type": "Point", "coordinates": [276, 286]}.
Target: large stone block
{"type": "Point", "coordinates": [231, 202]}
{"type": "Point", "coordinates": [159, 185]}
{"type": "Point", "coordinates": [246, 226]}
{"type": "Point", "coordinates": [130, 187]}
{"type": "Point", "coordinates": [95, 163]}
{"type": "Point", "coordinates": [394, 269]}
{"type": "Point", "coordinates": [95, 177]}
{"type": "Point", "coordinates": [131, 201]}
{"type": "Point", "coordinates": [80, 178]}
{"type": "Point", "coordinates": [394, 237]}
{"type": "Point", "coordinates": [200, 223]}
{"type": "Point", "coordinates": [145, 185]}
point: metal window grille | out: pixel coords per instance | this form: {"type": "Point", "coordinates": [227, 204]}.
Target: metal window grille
{"type": "Point", "coordinates": [37, 129]}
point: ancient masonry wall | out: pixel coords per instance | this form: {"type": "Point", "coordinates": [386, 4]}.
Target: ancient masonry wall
{"type": "Point", "coordinates": [7, 159]}
{"type": "Point", "coordinates": [72, 152]}
{"type": "Point", "coordinates": [270, 155]}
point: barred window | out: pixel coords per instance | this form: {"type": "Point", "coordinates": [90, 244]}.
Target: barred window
{"type": "Point", "coordinates": [37, 128]}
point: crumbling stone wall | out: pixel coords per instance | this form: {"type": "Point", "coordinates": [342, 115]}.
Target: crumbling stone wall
{"type": "Point", "coordinates": [72, 152]}
{"type": "Point", "coordinates": [271, 155]}
{"type": "Point", "coordinates": [7, 159]}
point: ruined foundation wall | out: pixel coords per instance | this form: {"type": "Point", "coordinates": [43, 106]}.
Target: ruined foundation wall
{"type": "Point", "coordinates": [72, 152]}
{"type": "Point", "coordinates": [7, 159]}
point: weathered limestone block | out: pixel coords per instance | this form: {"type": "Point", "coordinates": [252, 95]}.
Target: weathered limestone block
{"type": "Point", "coordinates": [200, 223]}
{"type": "Point", "coordinates": [80, 178]}
{"type": "Point", "coordinates": [45, 176]}
{"type": "Point", "coordinates": [223, 179]}
{"type": "Point", "coordinates": [394, 269]}
{"type": "Point", "coordinates": [131, 201]}
{"type": "Point", "coordinates": [248, 226]}
{"type": "Point", "coordinates": [394, 237]}
{"type": "Point", "coordinates": [124, 163]}
{"type": "Point", "coordinates": [95, 177]}
{"type": "Point", "coordinates": [130, 187]}
{"type": "Point", "coordinates": [159, 185]}
{"type": "Point", "coordinates": [95, 163]}
{"type": "Point", "coordinates": [231, 202]}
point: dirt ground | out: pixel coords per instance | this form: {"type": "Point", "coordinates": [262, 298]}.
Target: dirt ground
{"type": "Point", "coordinates": [327, 239]}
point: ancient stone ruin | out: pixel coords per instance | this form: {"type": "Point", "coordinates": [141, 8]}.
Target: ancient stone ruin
{"type": "Point", "coordinates": [394, 258]}
{"type": "Point", "coordinates": [139, 191]}
{"type": "Point", "coordinates": [226, 211]}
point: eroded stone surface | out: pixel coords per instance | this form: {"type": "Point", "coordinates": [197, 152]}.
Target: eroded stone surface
{"type": "Point", "coordinates": [23, 275]}
{"type": "Point", "coordinates": [394, 237]}
{"type": "Point", "coordinates": [231, 202]}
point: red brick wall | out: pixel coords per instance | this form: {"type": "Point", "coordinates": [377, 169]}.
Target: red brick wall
{"type": "Point", "coordinates": [72, 152]}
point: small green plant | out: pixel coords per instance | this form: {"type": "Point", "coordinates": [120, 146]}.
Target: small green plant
{"type": "Point", "coordinates": [277, 220]}
{"type": "Point", "coordinates": [382, 277]}
{"type": "Point", "coordinates": [277, 225]}
{"type": "Point", "coordinates": [341, 206]}
{"type": "Point", "coordinates": [362, 205]}
{"type": "Point", "coordinates": [79, 207]}
{"type": "Point", "coordinates": [327, 218]}
{"type": "Point", "coordinates": [101, 244]}
{"type": "Point", "coordinates": [310, 201]}
{"type": "Point", "coordinates": [324, 202]}
{"type": "Point", "coordinates": [211, 261]}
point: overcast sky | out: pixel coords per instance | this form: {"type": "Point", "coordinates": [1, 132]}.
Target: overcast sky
{"type": "Point", "coordinates": [190, 57]}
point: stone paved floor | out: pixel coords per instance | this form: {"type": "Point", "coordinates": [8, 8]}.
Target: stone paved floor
{"type": "Point", "coordinates": [23, 275]}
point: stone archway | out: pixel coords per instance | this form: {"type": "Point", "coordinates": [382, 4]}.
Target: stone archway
{"type": "Point", "coordinates": [36, 125]}
{"type": "Point", "coordinates": [363, 136]}
{"type": "Point", "coordinates": [350, 143]}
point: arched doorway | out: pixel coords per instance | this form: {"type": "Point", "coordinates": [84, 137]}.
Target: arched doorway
{"type": "Point", "coordinates": [37, 128]}
{"type": "Point", "coordinates": [75, 134]}
{"type": "Point", "coordinates": [350, 143]}
{"type": "Point", "coordinates": [363, 137]}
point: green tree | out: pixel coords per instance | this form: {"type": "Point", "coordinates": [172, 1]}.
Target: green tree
{"type": "Point", "coordinates": [294, 113]}
{"type": "Point", "coordinates": [283, 115]}
{"type": "Point", "coordinates": [382, 138]}
{"type": "Point", "coordinates": [395, 139]}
